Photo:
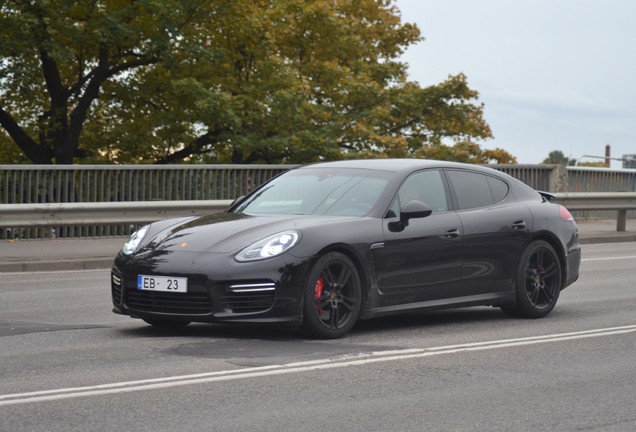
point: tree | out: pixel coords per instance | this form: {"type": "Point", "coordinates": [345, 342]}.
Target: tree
{"type": "Point", "coordinates": [557, 157]}
{"type": "Point", "coordinates": [58, 56]}
{"type": "Point", "coordinates": [223, 81]}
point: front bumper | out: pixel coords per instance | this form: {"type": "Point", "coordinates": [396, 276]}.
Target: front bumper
{"type": "Point", "coordinates": [226, 292]}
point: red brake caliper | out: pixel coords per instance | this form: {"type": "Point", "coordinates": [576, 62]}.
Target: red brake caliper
{"type": "Point", "coordinates": [320, 284]}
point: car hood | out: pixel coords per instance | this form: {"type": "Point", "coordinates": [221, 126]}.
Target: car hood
{"type": "Point", "coordinates": [226, 232]}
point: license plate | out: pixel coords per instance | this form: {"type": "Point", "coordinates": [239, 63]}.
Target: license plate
{"type": "Point", "coordinates": [162, 283]}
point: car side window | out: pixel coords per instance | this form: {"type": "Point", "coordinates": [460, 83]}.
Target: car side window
{"type": "Point", "coordinates": [499, 189]}
{"type": "Point", "coordinates": [425, 186]}
{"type": "Point", "coordinates": [475, 190]}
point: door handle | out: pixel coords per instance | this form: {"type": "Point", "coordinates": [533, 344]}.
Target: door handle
{"type": "Point", "coordinates": [454, 233]}
{"type": "Point", "coordinates": [519, 225]}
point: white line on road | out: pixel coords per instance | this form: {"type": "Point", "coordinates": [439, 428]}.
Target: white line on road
{"type": "Point", "coordinates": [609, 258]}
{"type": "Point", "coordinates": [289, 368]}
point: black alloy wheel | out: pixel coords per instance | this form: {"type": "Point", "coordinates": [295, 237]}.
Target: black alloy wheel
{"type": "Point", "coordinates": [539, 282]}
{"type": "Point", "coordinates": [332, 297]}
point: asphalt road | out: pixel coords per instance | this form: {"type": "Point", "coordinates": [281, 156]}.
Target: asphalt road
{"type": "Point", "coordinates": [68, 364]}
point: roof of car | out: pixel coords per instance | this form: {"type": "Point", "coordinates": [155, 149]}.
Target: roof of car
{"type": "Point", "coordinates": [396, 164]}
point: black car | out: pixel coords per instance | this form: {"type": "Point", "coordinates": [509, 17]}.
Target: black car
{"type": "Point", "coordinates": [323, 245]}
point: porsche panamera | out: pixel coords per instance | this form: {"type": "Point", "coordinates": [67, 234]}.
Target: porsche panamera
{"type": "Point", "coordinates": [324, 245]}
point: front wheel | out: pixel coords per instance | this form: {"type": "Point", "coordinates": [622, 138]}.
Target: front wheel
{"type": "Point", "coordinates": [332, 297]}
{"type": "Point", "coordinates": [539, 282]}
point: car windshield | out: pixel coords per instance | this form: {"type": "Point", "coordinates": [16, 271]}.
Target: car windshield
{"type": "Point", "coordinates": [318, 191]}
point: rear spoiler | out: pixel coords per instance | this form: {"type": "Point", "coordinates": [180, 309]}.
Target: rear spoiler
{"type": "Point", "coordinates": [547, 196]}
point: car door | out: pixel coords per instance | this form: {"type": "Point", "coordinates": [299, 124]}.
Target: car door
{"type": "Point", "coordinates": [422, 260]}
{"type": "Point", "coordinates": [495, 229]}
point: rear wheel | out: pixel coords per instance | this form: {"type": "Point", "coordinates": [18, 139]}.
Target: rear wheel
{"type": "Point", "coordinates": [332, 297]}
{"type": "Point", "coordinates": [539, 282]}
{"type": "Point", "coordinates": [166, 324]}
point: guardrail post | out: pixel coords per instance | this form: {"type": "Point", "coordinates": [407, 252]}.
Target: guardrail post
{"type": "Point", "coordinates": [621, 221]}
{"type": "Point", "coordinates": [558, 179]}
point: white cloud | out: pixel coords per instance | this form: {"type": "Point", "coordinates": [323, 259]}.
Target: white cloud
{"type": "Point", "coordinates": [553, 74]}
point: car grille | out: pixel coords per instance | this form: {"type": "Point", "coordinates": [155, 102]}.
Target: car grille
{"type": "Point", "coordinates": [237, 297]}
{"type": "Point", "coordinates": [248, 297]}
{"type": "Point", "coordinates": [194, 303]}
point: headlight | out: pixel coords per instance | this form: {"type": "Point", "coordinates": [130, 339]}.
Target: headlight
{"type": "Point", "coordinates": [269, 247]}
{"type": "Point", "coordinates": [135, 239]}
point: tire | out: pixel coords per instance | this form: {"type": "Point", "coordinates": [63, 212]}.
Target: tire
{"type": "Point", "coordinates": [539, 282]}
{"type": "Point", "coordinates": [332, 299]}
{"type": "Point", "coordinates": [166, 324]}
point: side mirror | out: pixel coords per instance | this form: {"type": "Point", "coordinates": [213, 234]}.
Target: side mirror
{"type": "Point", "coordinates": [411, 210]}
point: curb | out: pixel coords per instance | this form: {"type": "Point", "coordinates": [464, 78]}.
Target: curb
{"type": "Point", "coordinates": [620, 238]}
{"type": "Point", "coordinates": [57, 265]}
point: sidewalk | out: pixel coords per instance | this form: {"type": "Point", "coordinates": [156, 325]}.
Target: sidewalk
{"type": "Point", "coordinates": [86, 254]}
{"type": "Point", "coordinates": [59, 254]}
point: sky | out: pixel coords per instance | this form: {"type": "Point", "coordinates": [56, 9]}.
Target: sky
{"type": "Point", "coordinates": [552, 74]}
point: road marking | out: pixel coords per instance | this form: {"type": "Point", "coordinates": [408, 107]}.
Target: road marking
{"type": "Point", "coordinates": [348, 360]}
{"type": "Point", "coordinates": [609, 258]}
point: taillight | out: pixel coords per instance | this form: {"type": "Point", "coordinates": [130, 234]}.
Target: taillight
{"type": "Point", "coordinates": [565, 214]}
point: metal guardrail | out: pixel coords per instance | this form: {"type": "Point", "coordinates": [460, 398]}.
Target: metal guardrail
{"type": "Point", "coordinates": [23, 184]}
{"type": "Point", "coordinates": [84, 184]}
{"type": "Point", "coordinates": [619, 201]}
{"type": "Point", "coordinates": [38, 184]}
{"type": "Point", "coordinates": [64, 214]}
{"type": "Point", "coordinates": [69, 214]}
{"type": "Point", "coordinates": [597, 200]}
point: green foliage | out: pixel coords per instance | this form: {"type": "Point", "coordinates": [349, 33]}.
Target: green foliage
{"type": "Point", "coordinates": [223, 81]}
{"type": "Point", "coordinates": [594, 164]}
{"type": "Point", "coordinates": [557, 157]}
{"type": "Point", "coordinates": [467, 152]}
